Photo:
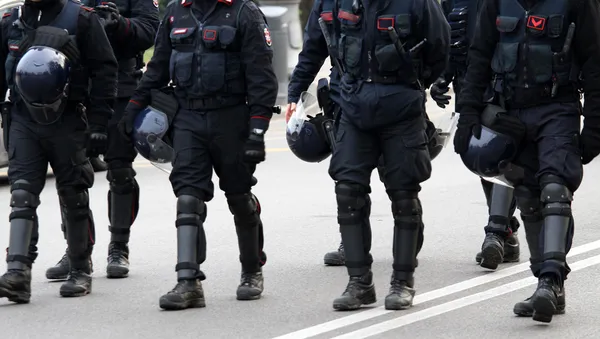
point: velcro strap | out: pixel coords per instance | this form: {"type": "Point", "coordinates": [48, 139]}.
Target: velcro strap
{"type": "Point", "coordinates": [27, 214]}
{"type": "Point", "coordinates": [21, 186]}
{"type": "Point", "coordinates": [187, 266]}
{"type": "Point", "coordinates": [187, 221]}
{"type": "Point", "coordinates": [554, 256]}
{"type": "Point", "coordinates": [403, 268]}
{"type": "Point", "coordinates": [118, 230]}
{"type": "Point", "coordinates": [563, 211]}
{"type": "Point", "coordinates": [499, 219]}
{"type": "Point", "coordinates": [19, 258]}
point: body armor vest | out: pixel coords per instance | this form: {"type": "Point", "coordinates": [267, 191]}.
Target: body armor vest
{"type": "Point", "coordinates": [18, 45]}
{"type": "Point", "coordinates": [528, 52]}
{"type": "Point", "coordinates": [206, 56]}
{"type": "Point", "coordinates": [366, 48]}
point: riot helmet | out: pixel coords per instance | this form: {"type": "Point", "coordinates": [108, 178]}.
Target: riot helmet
{"type": "Point", "coordinates": [42, 82]}
{"type": "Point", "coordinates": [149, 136]}
{"type": "Point", "coordinates": [305, 133]}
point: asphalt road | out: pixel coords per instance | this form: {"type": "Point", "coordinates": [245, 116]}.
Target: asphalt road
{"type": "Point", "coordinates": [455, 297]}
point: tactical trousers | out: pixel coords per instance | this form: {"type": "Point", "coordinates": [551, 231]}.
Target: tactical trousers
{"type": "Point", "coordinates": [204, 141]}
{"type": "Point", "coordinates": [403, 146]}
{"type": "Point", "coordinates": [551, 159]}
{"type": "Point", "coordinates": [31, 148]}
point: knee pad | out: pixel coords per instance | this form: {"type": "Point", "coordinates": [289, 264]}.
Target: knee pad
{"type": "Point", "coordinates": [353, 203]}
{"type": "Point", "coordinates": [121, 180]}
{"type": "Point", "coordinates": [191, 211]}
{"type": "Point", "coordinates": [245, 209]}
{"type": "Point", "coordinates": [74, 204]}
{"type": "Point", "coordinates": [406, 209]}
{"type": "Point", "coordinates": [556, 199]}
{"type": "Point", "coordinates": [23, 202]}
{"type": "Point", "coordinates": [529, 204]}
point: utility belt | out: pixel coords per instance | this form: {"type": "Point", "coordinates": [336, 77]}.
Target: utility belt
{"type": "Point", "coordinates": [520, 97]}
{"type": "Point", "coordinates": [211, 103]}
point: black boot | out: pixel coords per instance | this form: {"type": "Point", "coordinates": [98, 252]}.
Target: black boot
{"type": "Point", "coordinates": [336, 258]}
{"type": "Point", "coordinates": [251, 286]}
{"type": "Point", "coordinates": [60, 271]}
{"type": "Point", "coordinates": [492, 251]}
{"type": "Point", "coordinates": [401, 295]}
{"type": "Point", "coordinates": [78, 284]}
{"type": "Point", "coordinates": [547, 298]}
{"type": "Point", "coordinates": [118, 260]}
{"type": "Point", "coordinates": [16, 286]}
{"type": "Point", "coordinates": [359, 291]}
{"type": "Point", "coordinates": [512, 250]}
{"type": "Point", "coordinates": [525, 308]}
{"type": "Point", "coordinates": [186, 294]}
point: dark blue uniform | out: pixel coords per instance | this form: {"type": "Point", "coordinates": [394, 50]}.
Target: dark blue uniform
{"type": "Point", "coordinates": [218, 54]}
{"type": "Point", "coordinates": [62, 144]}
{"type": "Point", "coordinates": [534, 81]}
{"type": "Point", "coordinates": [131, 34]}
{"type": "Point", "coordinates": [383, 101]}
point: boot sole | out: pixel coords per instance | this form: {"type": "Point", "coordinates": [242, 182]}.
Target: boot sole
{"type": "Point", "coordinates": [394, 306]}
{"type": "Point", "coordinates": [248, 296]}
{"type": "Point", "coordinates": [16, 297]}
{"type": "Point", "coordinates": [505, 260]}
{"type": "Point", "coordinates": [75, 294]}
{"type": "Point", "coordinates": [528, 312]}
{"type": "Point", "coordinates": [168, 305]}
{"type": "Point", "coordinates": [334, 262]}
{"type": "Point", "coordinates": [344, 306]}
{"type": "Point", "coordinates": [115, 272]}
{"type": "Point", "coordinates": [491, 257]}
{"type": "Point", "coordinates": [543, 310]}
{"type": "Point", "coordinates": [56, 276]}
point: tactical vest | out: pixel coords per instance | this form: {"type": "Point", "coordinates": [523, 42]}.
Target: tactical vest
{"type": "Point", "coordinates": [364, 44]}
{"type": "Point", "coordinates": [206, 56]}
{"type": "Point", "coordinates": [17, 46]}
{"type": "Point", "coordinates": [525, 56]}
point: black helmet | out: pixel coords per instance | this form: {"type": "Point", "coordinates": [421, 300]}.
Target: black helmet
{"type": "Point", "coordinates": [305, 134]}
{"type": "Point", "coordinates": [42, 81]}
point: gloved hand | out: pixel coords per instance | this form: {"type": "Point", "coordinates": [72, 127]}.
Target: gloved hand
{"type": "Point", "coordinates": [590, 143]}
{"type": "Point", "coordinates": [469, 124]}
{"type": "Point", "coordinates": [438, 92]}
{"type": "Point", "coordinates": [125, 125]}
{"type": "Point", "coordinates": [254, 149]}
{"type": "Point", "coordinates": [110, 13]}
{"type": "Point", "coordinates": [96, 141]}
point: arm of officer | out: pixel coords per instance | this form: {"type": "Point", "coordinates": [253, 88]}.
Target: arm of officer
{"type": "Point", "coordinates": [479, 72]}
{"type": "Point", "coordinates": [98, 57]}
{"type": "Point", "coordinates": [311, 58]}
{"type": "Point", "coordinates": [586, 43]}
{"type": "Point", "coordinates": [4, 24]}
{"type": "Point", "coordinates": [138, 31]}
{"type": "Point", "coordinates": [257, 56]}
{"type": "Point", "coordinates": [157, 70]}
{"type": "Point", "coordinates": [436, 30]}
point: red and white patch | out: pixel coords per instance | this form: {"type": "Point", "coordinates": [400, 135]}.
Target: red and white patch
{"type": "Point", "coordinates": [180, 31]}
{"type": "Point", "coordinates": [155, 3]}
{"type": "Point", "coordinates": [13, 47]}
{"type": "Point", "coordinates": [268, 40]}
{"type": "Point", "coordinates": [171, 19]}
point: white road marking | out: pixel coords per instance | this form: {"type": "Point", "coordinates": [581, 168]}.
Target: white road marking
{"type": "Point", "coordinates": [425, 297]}
{"type": "Point", "coordinates": [456, 304]}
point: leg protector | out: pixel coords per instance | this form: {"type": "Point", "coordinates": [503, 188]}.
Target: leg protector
{"type": "Point", "coordinates": [247, 226]}
{"type": "Point", "coordinates": [531, 214]}
{"type": "Point", "coordinates": [23, 220]}
{"type": "Point", "coordinates": [191, 239]}
{"type": "Point", "coordinates": [123, 202]}
{"type": "Point", "coordinates": [499, 208]}
{"type": "Point", "coordinates": [407, 211]}
{"type": "Point", "coordinates": [557, 233]}
{"type": "Point", "coordinates": [354, 207]}
{"type": "Point", "coordinates": [79, 224]}
{"type": "Point", "coordinates": [261, 234]}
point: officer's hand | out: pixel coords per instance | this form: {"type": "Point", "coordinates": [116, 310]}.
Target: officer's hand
{"type": "Point", "coordinates": [290, 109]}
{"type": "Point", "coordinates": [254, 149]}
{"type": "Point", "coordinates": [110, 13]}
{"type": "Point", "coordinates": [96, 141]}
{"type": "Point", "coordinates": [107, 8]}
{"type": "Point", "coordinates": [468, 125]}
{"type": "Point", "coordinates": [590, 143]}
{"type": "Point", "coordinates": [438, 92]}
{"type": "Point", "coordinates": [125, 125]}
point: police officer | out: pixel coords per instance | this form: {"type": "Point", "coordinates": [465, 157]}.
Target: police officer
{"type": "Point", "coordinates": [501, 243]}
{"type": "Point", "coordinates": [52, 50]}
{"type": "Point", "coordinates": [131, 27]}
{"type": "Point", "coordinates": [218, 55]}
{"type": "Point", "coordinates": [535, 61]}
{"type": "Point", "coordinates": [386, 47]}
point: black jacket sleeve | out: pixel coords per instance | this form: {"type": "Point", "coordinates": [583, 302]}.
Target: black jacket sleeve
{"type": "Point", "coordinates": [586, 43]}
{"type": "Point", "coordinates": [479, 72]}
{"type": "Point", "coordinates": [4, 25]}
{"type": "Point", "coordinates": [257, 58]}
{"type": "Point", "coordinates": [98, 57]}
{"type": "Point", "coordinates": [138, 31]}
{"type": "Point", "coordinates": [311, 58]}
{"type": "Point", "coordinates": [434, 27]}
{"type": "Point", "coordinates": [157, 70]}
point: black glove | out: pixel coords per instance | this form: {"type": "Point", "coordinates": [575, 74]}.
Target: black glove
{"type": "Point", "coordinates": [96, 141]}
{"type": "Point", "coordinates": [590, 143]}
{"type": "Point", "coordinates": [109, 12]}
{"type": "Point", "coordinates": [254, 149]}
{"type": "Point", "coordinates": [438, 91]}
{"type": "Point", "coordinates": [126, 123]}
{"type": "Point", "coordinates": [469, 124]}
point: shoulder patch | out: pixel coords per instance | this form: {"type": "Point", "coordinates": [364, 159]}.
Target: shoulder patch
{"type": "Point", "coordinates": [267, 34]}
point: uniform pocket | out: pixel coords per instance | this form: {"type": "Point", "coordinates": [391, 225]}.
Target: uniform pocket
{"type": "Point", "coordinates": [417, 155]}
{"type": "Point", "coordinates": [183, 67]}
{"type": "Point", "coordinates": [540, 63]}
{"type": "Point", "coordinates": [212, 71]}
{"type": "Point", "coordinates": [505, 57]}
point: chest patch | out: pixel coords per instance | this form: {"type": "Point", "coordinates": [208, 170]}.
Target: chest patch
{"type": "Point", "coordinates": [536, 22]}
